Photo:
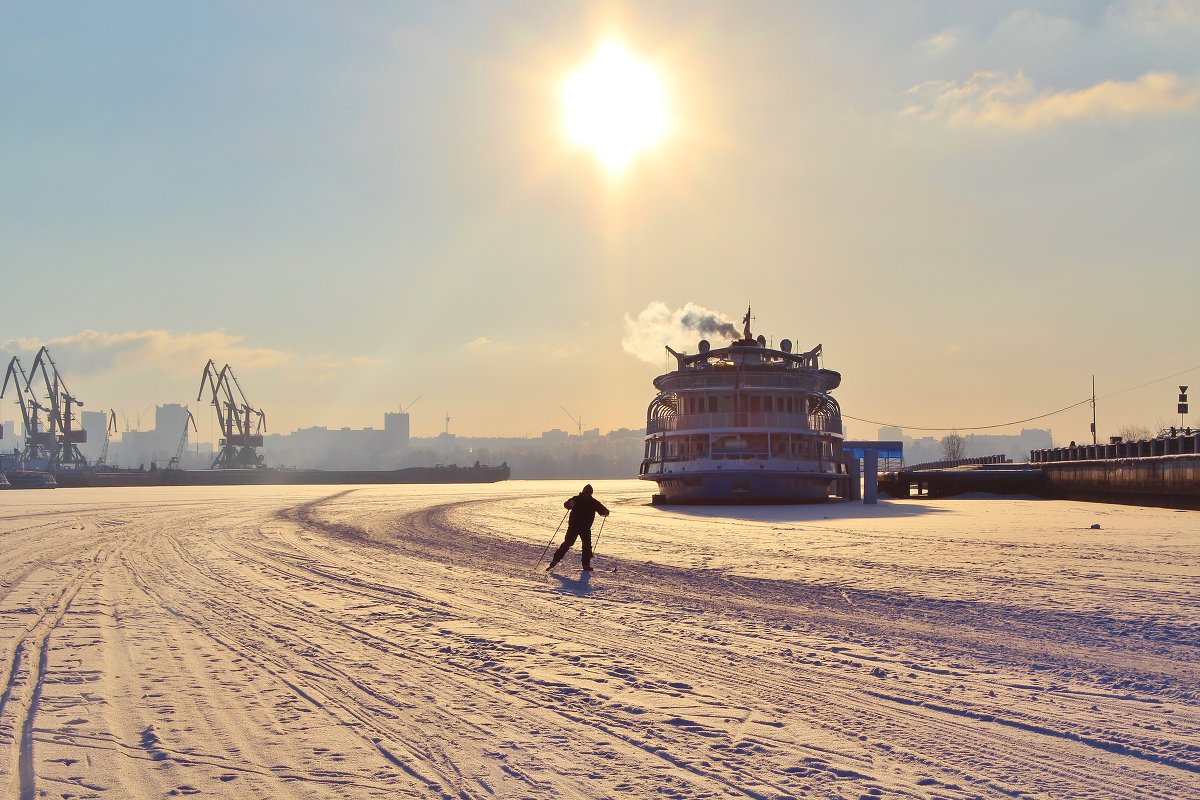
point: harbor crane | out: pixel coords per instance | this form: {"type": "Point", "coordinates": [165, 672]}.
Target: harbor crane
{"type": "Point", "coordinates": [64, 452]}
{"type": "Point", "coordinates": [183, 438]}
{"type": "Point", "coordinates": [578, 422]}
{"type": "Point", "coordinates": [241, 424]}
{"type": "Point", "coordinates": [109, 430]}
{"type": "Point", "coordinates": [38, 441]}
{"type": "Point", "coordinates": [56, 440]}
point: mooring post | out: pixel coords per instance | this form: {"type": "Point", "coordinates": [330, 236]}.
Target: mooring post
{"type": "Point", "coordinates": [871, 477]}
{"type": "Point", "coordinates": [854, 476]}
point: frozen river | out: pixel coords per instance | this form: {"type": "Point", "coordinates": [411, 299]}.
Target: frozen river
{"type": "Point", "coordinates": [303, 642]}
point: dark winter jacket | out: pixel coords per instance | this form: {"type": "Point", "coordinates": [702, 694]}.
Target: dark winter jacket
{"type": "Point", "coordinates": [584, 508]}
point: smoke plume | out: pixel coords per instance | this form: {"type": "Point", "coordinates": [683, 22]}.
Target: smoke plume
{"type": "Point", "coordinates": [708, 324]}
{"type": "Point", "coordinates": [657, 325]}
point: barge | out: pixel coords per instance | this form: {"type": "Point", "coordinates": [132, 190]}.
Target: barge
{"type": "Point", "coordinates": [442, 473]}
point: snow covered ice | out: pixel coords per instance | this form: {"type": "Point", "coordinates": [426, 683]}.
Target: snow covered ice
{"type": "Point", "coordinates": [362, 642]}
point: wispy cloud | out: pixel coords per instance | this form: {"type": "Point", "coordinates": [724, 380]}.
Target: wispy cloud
{"type": "Point", "coordinates": [941, 42]}
{"type": "Point", "coordinates": [483, 344]}
{"type": "Point", "coordinates": [657, 325]}
{"type": "Point", "coordinates": [1156, 17]}
{"type": "Point", "coordinates": [998, 99]}
{"type": "Point", "coordinates": [323, 367]}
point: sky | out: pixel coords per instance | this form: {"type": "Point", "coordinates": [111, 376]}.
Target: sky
{"type": "Point", "coordinates": [974, 208]}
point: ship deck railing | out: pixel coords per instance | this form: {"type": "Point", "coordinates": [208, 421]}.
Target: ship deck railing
{"type": "Point", "coordinates": [659, 466]}
{"type": "Point", "coordinates": [772, 420]}
{"type": "Point", "coordinates": [808, 379]}
{"type": "Point", "coordinates": [741, 455]}
{"type": "Point", "coordinates": [733, 455]}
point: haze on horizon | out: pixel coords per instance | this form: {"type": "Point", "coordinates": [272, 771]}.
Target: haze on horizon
{"type": "Point", "coordinates": [973, 208]}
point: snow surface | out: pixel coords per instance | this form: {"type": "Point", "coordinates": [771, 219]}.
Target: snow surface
{"type": "Point", "coordinates": [301, 642]}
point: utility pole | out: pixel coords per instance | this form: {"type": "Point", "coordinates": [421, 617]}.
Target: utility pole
{"type": "Point", "coordinates": [1093, 409]}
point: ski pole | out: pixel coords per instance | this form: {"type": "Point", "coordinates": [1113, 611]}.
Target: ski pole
{"type": "Point", "coordinates": [555, 536]}
{"type": "Point", "coordinates": [596, 544]}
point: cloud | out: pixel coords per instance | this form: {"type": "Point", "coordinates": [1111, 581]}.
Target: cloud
{"type": "Point", "coordinates": [1000, 100]}
{"type": "Point", "coordinates": [1156, 17]}
{"type": "Point", "coordinates": [483, 344]}
{"type": "Point", "coordinates": [323, 367]}
{"type": "Point", "coordinates": [941, 42]}
{"type": "Point", "coordinates": [90, 352]}
{"type": "Point", "coordinates": [1026, 28]}
{"type": "Point", "coordinates": [486, 346]}
{"type": "Point", "coordinates": [657, 325]}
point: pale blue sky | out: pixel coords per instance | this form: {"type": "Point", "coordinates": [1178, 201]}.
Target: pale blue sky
{"type": "Point", "coordinates": [974, 207]}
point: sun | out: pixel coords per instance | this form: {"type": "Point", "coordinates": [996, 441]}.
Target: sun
{"type": "Point", "coordinates": [614, 105]}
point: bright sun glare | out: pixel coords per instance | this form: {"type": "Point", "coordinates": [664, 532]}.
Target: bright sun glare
{"type": "Point", "coordinates": [614, 105]}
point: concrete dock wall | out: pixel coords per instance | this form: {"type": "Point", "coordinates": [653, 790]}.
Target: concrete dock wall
{"type": "Point", "coordinates": [1146, 480]}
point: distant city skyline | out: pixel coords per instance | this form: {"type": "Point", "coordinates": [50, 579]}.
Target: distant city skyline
{"type": "Point", "coordinates": [972, 208]}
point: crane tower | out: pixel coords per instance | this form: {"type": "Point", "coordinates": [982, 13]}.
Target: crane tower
{"type": "Point", "coordinates": [241, 424]}
{"type": "Point", "coordinates": [55, 440]}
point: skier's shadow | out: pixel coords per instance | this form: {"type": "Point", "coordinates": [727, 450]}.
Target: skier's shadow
{"type": "Point", "coordinates": [578, 586]}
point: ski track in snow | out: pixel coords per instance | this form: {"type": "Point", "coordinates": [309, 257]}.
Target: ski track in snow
{"type": "Point", "coordinates": [302, 642]}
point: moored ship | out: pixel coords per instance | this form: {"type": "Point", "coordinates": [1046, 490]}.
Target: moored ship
{"type": "Point", "coordinates": [442, 473]}
{"type": "Point", "coordinates": [746, 423]}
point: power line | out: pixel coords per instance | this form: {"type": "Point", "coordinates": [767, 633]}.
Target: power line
{"type": "Point", "coordinates": [1148, 383]}
{"type": "Point", "coordinates": [970, 427]}
{"type": "Point", "coordinates": [1027, 419]}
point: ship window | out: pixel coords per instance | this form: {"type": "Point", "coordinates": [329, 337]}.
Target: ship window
{"type": "Point", "coordinates": [712, 404]}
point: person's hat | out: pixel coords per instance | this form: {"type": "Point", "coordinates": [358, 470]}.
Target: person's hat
{"type": "Point", "coordinates": [587, 489]}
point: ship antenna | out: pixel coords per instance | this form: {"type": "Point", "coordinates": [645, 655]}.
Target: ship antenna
{"type": "Point", "coordinates": [746, 321]}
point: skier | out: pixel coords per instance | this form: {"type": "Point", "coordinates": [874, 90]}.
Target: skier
{"type": "Point", "coordinates": [584, 508]}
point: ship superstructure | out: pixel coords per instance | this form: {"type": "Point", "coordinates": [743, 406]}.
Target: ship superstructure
{"type": "Point", "coordinates": [746, 423]}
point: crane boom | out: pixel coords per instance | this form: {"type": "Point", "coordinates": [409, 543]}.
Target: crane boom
{"type": "Point", "coordinates": [174, 462]}
{"type": "Point", "coordinates": [109, 430]}
{"type": "Point", "coordinates": [578, 422]}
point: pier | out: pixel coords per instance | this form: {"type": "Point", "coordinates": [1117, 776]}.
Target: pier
{"type": "Point", "coordinates": [1164, 471]}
